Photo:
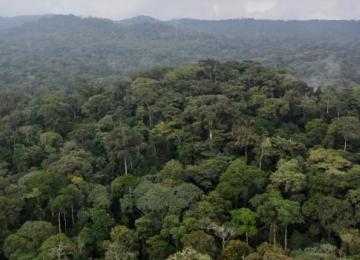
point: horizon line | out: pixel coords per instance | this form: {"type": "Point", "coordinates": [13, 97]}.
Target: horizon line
{"type": "Point", "coordinates": [181, 18]}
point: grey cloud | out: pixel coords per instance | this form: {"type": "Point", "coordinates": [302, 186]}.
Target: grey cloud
{"type": "Point", "coordinates": [205, 9]}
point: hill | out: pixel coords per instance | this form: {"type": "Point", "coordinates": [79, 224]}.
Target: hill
{"type": "Point", "coordinates": [64, 51]}
{"type": "Point", "coordinates": [11, 22]}
{"type": "Point", "coordinates": [320, 52]}
{"type": "Point", "coordinates": [139, 20]}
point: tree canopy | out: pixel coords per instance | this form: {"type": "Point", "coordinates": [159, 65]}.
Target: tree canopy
{"type": "Point", "coordinates": [213, 160]}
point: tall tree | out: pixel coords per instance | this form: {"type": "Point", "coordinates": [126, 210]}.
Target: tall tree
{"type": "Point", "coordinates": [241, 182]}
{"type": "Point", "coordinates": [57, 247]}
{"type": "Point", "coordinates": [289, 177]}
{"type": "Point", "coordinates": [124, 143]}
{"type": "Point", "coordinates": [26, 241]}
{"type": "Point", "coordinates": [244, 220]}
{"type": "Point", "coordinates": [289, 212]}
{"type": "Point", "coordinates": [97, 106]}
{"type": "Point", "coordinates": [273, 209]}
{"type": "Point", "coordinates": [348, 127]}
{"type": "Point", "coordinates": [123, 244]}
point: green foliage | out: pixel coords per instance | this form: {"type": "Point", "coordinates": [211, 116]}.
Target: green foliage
{"type": "Point", "coordinates": [334, 215]}
{"type": "Point", "coordinates": [123, 143]}
{"type": "Point", "coordinates": [159, 248]}
{"type": "Point", "coordinates": [328, 160]}
{"type": "Point", "coordinates": [207, 173]}
{"type": "Point", "coordinates": [244, 220]}
{"type": "Point", "coordinates": [85, 50]}
{"type": "Point", "coordinates": [241, 182]}
{"type": "Point", "coordinates": [213, 206]}
{"type": "Point", "coordinates": [347, 127]}
{"type": "Point", "coordinates": [97, 106]}
{"type": "Point", "coordinates": [269, 252]}
{"type": "Point", "coordinates": [289, 177]}
{"type": "Point", "coordinates": [174, 171]}
{"type": "Point", "coordinates": [200, 241]}
{"type": "Point", "coordinates": [11, 203]}
{"type": "Point", "coordinates": [274, 210]}
{"type": "Point", "coordinates": [184, 160]}
{"type": "Point", "coordinates": [123, 184]}
{"type": "Point", "coordinates": [350, 242]}
{"type": "Point", "coordinates": [25, 243]}
{"type": "Point", "coordinates": [57, 247]}
{"type": "Point", "coordinates": [186, 72]}
{"type": "Point", "coordinates": [173, 200]}
{"type": "Point", "coordinates": [320, 251]}
{"type": "Point", "coordinates": [189, 254]}
{"type": "Point", "coordinates": [51, 141]}
{"type": "Point", "coordinates": [73, 164]}
{"type": "Point", "coordinates": [122, 245]}
{"type": "Point", "coordinates": [234, 250]}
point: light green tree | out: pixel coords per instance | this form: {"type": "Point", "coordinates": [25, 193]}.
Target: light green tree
{"type": "Point", "coordinates": [348, 127]}
{"type": "Point", "coordinates": [57, 247]}
{"type": "Point", "coordinates": [244, 220]}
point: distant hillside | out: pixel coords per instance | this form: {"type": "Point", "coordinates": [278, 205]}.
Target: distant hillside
{"type": "Point", "coordinates": [65, 51]}
{"type": "Point", "coordinates": [138, 20]}
{"type": "Point", "coordinates": [321, 52]}
{"type": "Point", "coordinates": [11, 22]}
{"type": "Point", "coordinates": [235, 28]}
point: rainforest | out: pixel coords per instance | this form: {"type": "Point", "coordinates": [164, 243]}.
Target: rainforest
{"type": "Point", "coordinates": [179, 140]}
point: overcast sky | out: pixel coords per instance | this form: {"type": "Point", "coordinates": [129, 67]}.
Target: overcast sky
{"type": "Point", "coordinates": [204, 9]}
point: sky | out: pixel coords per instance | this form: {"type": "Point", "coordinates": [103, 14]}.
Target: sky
{"type": "Point", "coordinates": [202, 9]}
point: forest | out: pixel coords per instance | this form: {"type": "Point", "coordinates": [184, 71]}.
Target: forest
{"type": "Point", "coordinates": [209, 160]}
{"type": "Point", "coordinates": [59, 51]}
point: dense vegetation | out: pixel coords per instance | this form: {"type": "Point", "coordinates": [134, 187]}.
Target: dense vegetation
{"type": "Point", "coordinates": [66, 51]}
{"type": "Point", "coordinates": [206, 161]}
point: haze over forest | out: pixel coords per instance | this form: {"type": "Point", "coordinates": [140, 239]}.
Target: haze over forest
{"type": "Point", "coordinates": [62, 51]}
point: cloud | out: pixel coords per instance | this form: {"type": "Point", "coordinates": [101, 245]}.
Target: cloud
{"type": "Point", "coordinates": [205, 9]}
{"type": "Point", "coordinates": [259, 6]}
{"type": "Point", "coordinates": [215, 8]}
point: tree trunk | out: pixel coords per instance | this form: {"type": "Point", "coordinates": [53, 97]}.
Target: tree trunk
{"type": "Point", "coordinates": [64, 215]}
{"type": "Point", "coordinates": [154, 148]}
{"type": "Point", "coordinates": [223, 242]}
{"type": "Point", "coordinates": [149, 114]}
{"type": "Point", "coordinates": [131, 163]}
{"type": "Point", "coordinates": [59, 221]}
{"type": "Point", "coordinates": [125, 166]}
{"type": "Point", "coordinates": [246, 154]}
{"type": "Point", "coordinates": [210, 132]}
{"type": "Point", "coordinates": [247, 238]}
{"type": "Point", "coordinates": [14, 143]}
{"type": "Point", "coordinates": [260, 160]}
{"type": "Point", "coordinates": [286, 234]}
{"type": "Point", "coordinates": [59, 253]}
{"type": "Point", "coordinates": [215, 70]}
{"type": "Point", "coordinates": [345, 144]}
{"type": "Point", "coordinates": [72, 216]}
{"type": "Point", "coordinates": [274, 233]}
{"type": "Point", "coordinates": [74, 113]}
{"type": "Point", "coordinates": [211, 139]}
{"type": "Point", "coordinates": [327, 107]}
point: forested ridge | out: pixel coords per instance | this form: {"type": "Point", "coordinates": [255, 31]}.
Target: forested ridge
{"type": "Point", "coordinates": [210, 160]}
{"type": "Point", "coordinates": [58, 51]}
